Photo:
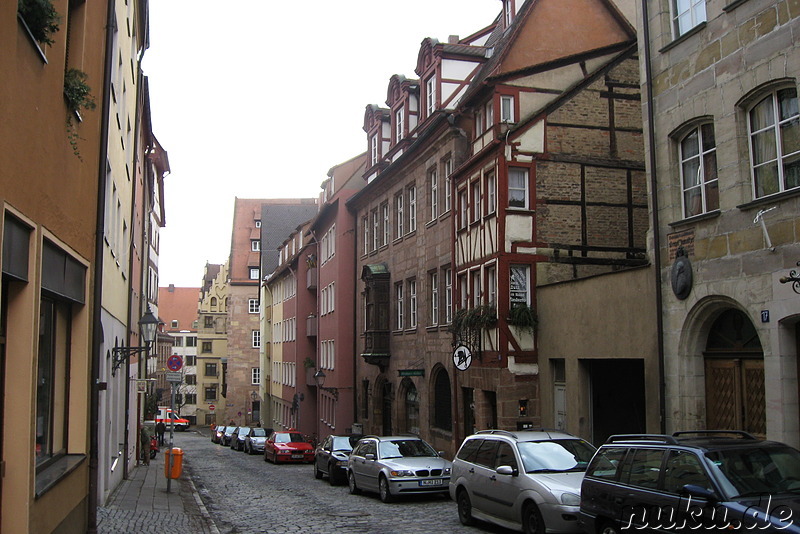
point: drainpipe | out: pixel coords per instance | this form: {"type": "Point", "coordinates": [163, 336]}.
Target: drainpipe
{"type": "Point", "coordinates": [97, 301]}
{"type": "Point", "coordinates": [651, 139]}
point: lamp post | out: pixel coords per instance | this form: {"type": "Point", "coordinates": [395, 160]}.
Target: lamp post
{"type": "Point", "coordinates": [147, 326]}
{"type": "Point", "coordinates": [319, 378]}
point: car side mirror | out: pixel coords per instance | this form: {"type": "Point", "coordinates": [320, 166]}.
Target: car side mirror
{"type": "Point", "coordinates": [369, 456]}
{"type": "Point", "coordinates": [699, 492]}
{"type": "Point", "coordinates": [441, 454]}
{"type": "Point", "coordinates": [507, 470]}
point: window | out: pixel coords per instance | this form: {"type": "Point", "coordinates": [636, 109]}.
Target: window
{"type": "Point", "coordinates": [463, 206]}
{"type": "Point", "coordinates": [518, 188]}
{"type": "Point", "coordinates": [448, 295]}
{"type": "Point", "coordinates": [448, 170]}
{"type": "Point", "coordinates": [385, 216]}
{"type": "Point", "coordinates": [698, 153]}
{"type": "Point", "coordinates": [190, 380]}
{"type": "Point", "coordinates": [399, 222]}
{"type": "Point", "coordinates": [489, 114]}
{"type": "Point", "coordinates": [412, 209]}
{"type": "Point", "coordinates": [255, 376]}
{"type": "Point", "coordinates": [491, 285]}
{"type": "Point", "coordinates": [476, 287]}
{"type": "Point", "coordinates": [463, 291]}
{"type": "Point", "coordinates": [479, 125]}
{"type": "Point", "coordinates": [206, 347]}
{"type": "Point", "coordinates": [491, 193]}
{"type": "Point", "coordinates": [208, 321]}
{"type": "Point", "coordinates": [253, 273]}
{"type": "Point", "coordinates": [398, 125]}
{"type": "Point", "coordinates": [519, 284]}
{"type": "Point", "coordinates": [412, 303]}
{"type": "Point", "coordinates": [475, 201]}
{"type": "Point", "coordinates": [373, 147]}
{"type": "Point", "coordinates": [255, 245]}
{"type": "Point", "coordinates": [191, 360]}
{"type": "Point", "coordinates": [191, 398]}
{"type": "Point", "coordinates": [177, 341]}
{"type": "Point", "coordinates": [256, 339]}
{"type": "Point", "coordinates": [252, 305]}
{"type": "Point", "coordinates": [434, 285]}
{"type": "Point", "coordinates": [174, 323]}
{"type": "Point", "coordinates": [775, 143]}
{"type": "Point", "coordinates": [365, 225]}
{"type": "Point", "coordinates": [258, 224]}
{"type": "Point", "coordinates": [430, 95]}
{"type": "Point", "coordinates": [687, 14]}
{"type": "Point", "coordinates": [507, 109]}
{"type": "Point", "coordinates": [433, 181]}
{"type": "Point", "coordinates": [398, 292]}
{"type": "Point", "coordinates": [211, 393]}
{"type": "Point", "coordinates": [376, 233]}
{"type": "Point", "coordinates": [211, 369]}
{"type": "Point", "coordinates": [191, 341]}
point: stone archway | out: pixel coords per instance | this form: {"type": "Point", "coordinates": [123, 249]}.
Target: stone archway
{"type": "Point", "coordinates": [409, 407]}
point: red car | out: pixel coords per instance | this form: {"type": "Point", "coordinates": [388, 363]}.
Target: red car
{"type": "Point", "coordinates": [288, 446]}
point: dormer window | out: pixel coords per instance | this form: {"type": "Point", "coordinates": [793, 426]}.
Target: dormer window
{"type": "Point", "coordinates": [507, 15]}
{"type": "Point", "coordinates": [506, 109]}
{"type": "Point", "coordinates": [399, 124]}
{"type": "Point", "coordinates": [374, 149]}
{"type": "Point", "coordinates": [255, 245]}
{"type": "Point", "coordinates": [430, 95]}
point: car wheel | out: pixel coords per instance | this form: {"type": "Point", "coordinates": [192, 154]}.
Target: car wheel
{"type": "Point", "coordinates": [266, 459]}
{"type": "Point", "coordinates": [351, 484]}
{"type": "Point", "coordinates": [465, 508]}
{"type": "Point", "coordinates": [333, 479]}
{"type": "Point", "coordinates": [383, 490]}
{"type": "Point", "coordinates": [532, 522]}
{"type": "Point", "coordinates": [609, 528]}
{"type": "Point", "coordinates": [317, 472]}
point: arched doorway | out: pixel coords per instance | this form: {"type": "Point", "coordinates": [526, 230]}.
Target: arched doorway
{"type": "Point", "coordinates": [734, 375]}
{"type": "Point", "coordinates": [442, 400]}
{"type": "Point", "coordinates": [383, 406]}
{"type": "Point", "coordinates": [410, 417]}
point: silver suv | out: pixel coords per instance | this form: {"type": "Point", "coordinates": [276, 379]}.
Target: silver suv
{"type": "Point", "coordinates": [526, 480]}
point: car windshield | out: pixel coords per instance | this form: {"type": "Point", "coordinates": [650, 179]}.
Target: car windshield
{"type": "Point", "coordinates": [259, 433]}
{"type": "Point", "coordinates": [404, 448]}
{"type": "Point", "coordinates": [229, 430]}
{"type": "Point", "coordinates": [288, 437]}
{"type": "Point", "coordinates": [756, 471]}
{"type": "Point", "coordinates": [555, 455]}
{"type": "Point", "coordinates": [342, 444]}
{"type": "Point", "coordinates": [243, 431]}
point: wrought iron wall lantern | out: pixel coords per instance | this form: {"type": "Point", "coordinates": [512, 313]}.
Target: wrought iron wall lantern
{"type": "Point", "coordinates": [148, 325]}
{"type": "Point", "coordinates": [319, 378]}
{"type": "Point", "coordinates": [793, 278]}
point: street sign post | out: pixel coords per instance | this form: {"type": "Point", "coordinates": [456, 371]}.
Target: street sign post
{"type": "Point", "coordinates": [211, 407]}
{"type": "Point", "coordinates": [174, 363]}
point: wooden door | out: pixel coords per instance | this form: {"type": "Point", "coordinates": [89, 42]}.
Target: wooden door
{"type": "Point", "coordinates": [735, 398]}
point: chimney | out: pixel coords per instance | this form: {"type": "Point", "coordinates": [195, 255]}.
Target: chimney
{"type": "Point", "coordinates": [172, 288]}
{"type": "Point", "coordinates": [453, 39]}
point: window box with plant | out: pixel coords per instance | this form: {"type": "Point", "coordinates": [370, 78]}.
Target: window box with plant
{"type": "Point", "coordinates": [40, 18]}
{"type": "Point", "coordinates": [522, 316]}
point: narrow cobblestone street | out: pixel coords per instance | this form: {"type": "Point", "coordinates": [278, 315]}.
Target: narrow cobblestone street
{"type": "Point", "coordinates": [244, 494]}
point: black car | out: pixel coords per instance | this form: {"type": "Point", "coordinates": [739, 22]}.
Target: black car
{"type": "Point", "coordinates": [698, 481]}
{"type": "Point", "coordinates": [330, 458]}
{"type": "Point", "coordinates": [227, 435]}
{"type": "Point", "coordinates": [237, 438]}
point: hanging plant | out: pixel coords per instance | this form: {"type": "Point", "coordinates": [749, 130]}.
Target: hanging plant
{"type": "Point", "coordinates": [79, 96]}
{"type": "Point", "coordinates": [308, 363]}
{"type": "Point", "coordinates": [523, 316]}
{"type": "Point", "coordinates": [41, 18]}
{"type": "Point", "coordinates": [477, 318]}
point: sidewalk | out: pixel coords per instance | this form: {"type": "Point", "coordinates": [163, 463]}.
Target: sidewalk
{"type": "Point", "coordinates": [141, 504]}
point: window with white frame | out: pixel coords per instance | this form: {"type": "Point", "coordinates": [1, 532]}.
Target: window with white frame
{"type": "Point", "coordinates": [253, 273]}
{"type": "Point", "coordinates": [255, 376]}
{"type": "Point", "coordinates": [252, 306]}
{"type": "Point", "coordinates": [255, 245]}
{"type": "Point", "coordinates": [448, 295]}
{"type": "Point", "coordinates": [376, 232]}
{"type": "Point", "coordinates": [463, 207]}
{"type": "Point", "coordinates": [399, 305]}
{"type": "Point", "coordinates": [365, 225]}
{"type": "Point", "coordinates": [386, 227]}
{"type": "Point", "coordinates": [491, 285]}
{"type": "Point", "coordinates": [256, 334]}
{"type": "Point", "coordinates": [489, 113]}
{"type": "Point", "coordinates": [687, 14]}
{"type": "Point", "coordinates": [430, 95]}
{"type": "Point", "coordinates": [373, 146]}
{"type": "Point", "coordinates": [412, 209]}
{"type": "Point", "coordinates": [463, 291]}
{"type": "Point", "coordinates": [491, 192]}
{"type": "Point", "coordinates": [476, 287]}
{"type": "Point", "coordinates": [475, 201]}
{"type": "Point", "coordinates": [506, 109]}
{"type": "Point", "coordinates": [479, 125]}
{"type": "Point", "coordinates": [398, 216]}
{"type": "Point", "coordinates": [433, 183]}
{"type": "Point", "coordinates": [519, 284]}
{"type": "Point", "coordinates": [517, 188]}
{"type": "Point", "coordinates": [433, 282]}
{"type": "Point", "coordinates": [399, 124]}
{"type": "Point", "coordinates": [698, 154]}
{"type": "Point", "coordinates": [412, 303]}
{"type": "Point", "coordinates": [774, 129]}
{"type": "Point", "coordinates": [448, 170]}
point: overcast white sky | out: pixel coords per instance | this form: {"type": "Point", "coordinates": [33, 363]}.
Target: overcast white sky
{"type": "Point", "coordinates": [260, 98]}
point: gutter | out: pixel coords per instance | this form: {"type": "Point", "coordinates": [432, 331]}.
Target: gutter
{"type": "Point", "coordinates": [662, 407]}
{"type": "Point", "coordinates": [97, 332]}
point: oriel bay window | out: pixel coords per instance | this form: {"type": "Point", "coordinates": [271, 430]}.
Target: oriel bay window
{"type": "Point", "coordinates": [376, 313]}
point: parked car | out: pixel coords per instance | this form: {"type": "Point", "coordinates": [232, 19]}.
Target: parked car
{"type": "Point", "coordinates": [330, 458]}
{"type": "Point", "coordinates": [288, 446]}
{"type": "Point", "coordinates": [227, 435]}
{"type": "Point", "coordinates": [700, 481]}
{"type": "Point", "coordinates": [237, 438]}
{"type": "Point", "coordinates": [526, 480]}
{"type": "Point", "coordinates": [216, 434]}
{"type": "Point", "coordinates": [255, 440]}
{"type": "Point", "coordinates": [396, 465]}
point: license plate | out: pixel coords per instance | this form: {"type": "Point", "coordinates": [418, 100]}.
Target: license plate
{"type": "Point", "coordinates": [433, 482]}
{"type": "Point", "coordinates": [297, 457]}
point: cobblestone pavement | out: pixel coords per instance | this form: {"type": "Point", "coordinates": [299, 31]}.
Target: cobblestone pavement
{"type": "Point", "coordinates": [244, 494]}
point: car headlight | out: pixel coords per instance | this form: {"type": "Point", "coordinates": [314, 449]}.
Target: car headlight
{"type": "Point", "coordinates": [446, 471]}
{"type": "Point", "coordinates": [402, 473]}
{"type": "Point", "coordinates": [570, 499]}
